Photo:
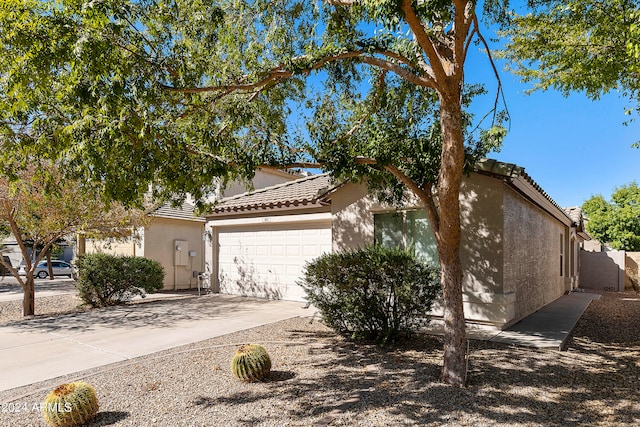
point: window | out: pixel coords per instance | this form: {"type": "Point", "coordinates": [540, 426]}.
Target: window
{"type": "Point", "coordinates": [572, 257]}
{"type": "Point", "coordinates": [561, 252]}
{"type": "Point", "coordinates": [407, 229]}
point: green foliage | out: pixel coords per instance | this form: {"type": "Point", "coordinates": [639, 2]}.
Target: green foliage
{"type": "Point", "coordinates": [577, 45]}
{"type": "Point", "coordinates": [71, 404]}
{"type": "Point", "coordinates": [105, 280]}
{"type": "Point", "coordinates": [617, 222]}
{"type": "Point", "coordinates": [251, 362]}
{"type": "Point", "coordinates": [139, 90]}
{"type": "Point", "coordinates": [373, 293]}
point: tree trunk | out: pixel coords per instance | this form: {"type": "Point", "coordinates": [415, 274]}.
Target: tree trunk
{"type": "Point", "coordinates": [49, 266]}
{"type": "Point", "coordinates": [28, 300]}
{"type": "Point", "coordinates": [449, 182]}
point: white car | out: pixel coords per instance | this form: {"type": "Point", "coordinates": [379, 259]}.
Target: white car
{"type": "Point", "coordinates": [60, 268]}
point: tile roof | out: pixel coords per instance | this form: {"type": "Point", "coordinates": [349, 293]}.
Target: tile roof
{"type": "Point", "coordinates": [512, 171]}
{"type": "Point", "coordinates": [304, 192]}
{"type": "Point", "coordinates": [575, 213]}
{"type": "Point", "coordinates": [184, 212]}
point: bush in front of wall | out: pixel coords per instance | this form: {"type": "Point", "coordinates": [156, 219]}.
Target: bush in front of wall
{"type": "Point", "coordinates": [250, 363]}
{"type": "Point", "coordinates": [374, 293]}
{"type": "Point", "coordinates": [105, 280]}
{"type": "Point", "coordinates": [70, 404]}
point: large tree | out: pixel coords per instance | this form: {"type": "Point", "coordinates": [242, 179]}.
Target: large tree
{"type": "Point", "coordinates": [178, 93]}
{"type": "Point", "coordinates": [40, 207]}
{"type": "Point", "coordinates": [578, 45]}
{"type": "Point", "coordinates": [616, 222]}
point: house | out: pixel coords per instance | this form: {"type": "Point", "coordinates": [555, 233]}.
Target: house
{"type": "Point", "coordinates": [519, 248]}
{"type": "Point", "coordinates": [175, 236]}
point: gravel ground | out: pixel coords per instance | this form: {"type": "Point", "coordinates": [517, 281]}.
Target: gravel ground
{"type": "Point", "coordinates": [320, 379]}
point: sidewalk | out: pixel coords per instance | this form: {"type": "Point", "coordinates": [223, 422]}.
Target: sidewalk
{"type": "Point", "coordinates": [548, 327]}
{"type": "Point", "coordinates": [42, 349]}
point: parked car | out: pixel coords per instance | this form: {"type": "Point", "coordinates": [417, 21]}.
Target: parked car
{"type": "Point", "coordinates": [60, 268]}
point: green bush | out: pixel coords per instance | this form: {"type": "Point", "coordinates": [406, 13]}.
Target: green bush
{"type": "Point", "coordinates": [105, 280]}
{"type": "Point", "coordinates": [375, 293]}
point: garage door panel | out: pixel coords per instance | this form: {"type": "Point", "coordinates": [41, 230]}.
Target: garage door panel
{"type": "Point", "coordinates": [267, 261]}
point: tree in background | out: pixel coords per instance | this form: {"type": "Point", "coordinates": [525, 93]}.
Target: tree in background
{"type": "Point", "coordinates": [578, 45]}
{"type": "Point", "coordinates": [616, 223]}
{"type": "Point", "coordinates": [180, 93]}
{"type": "Point", "coordinates": [41, 207]}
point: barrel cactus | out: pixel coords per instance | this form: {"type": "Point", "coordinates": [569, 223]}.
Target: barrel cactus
{"type": "Point", "coordinates": [250, 363]}
{"type": "Point", "coordinates": [70, 405]}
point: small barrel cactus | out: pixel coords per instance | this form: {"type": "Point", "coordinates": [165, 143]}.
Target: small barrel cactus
{"type": "Point", "coordinates": [250, 363]}
{"type": "Point", "coordinates": [70, 405]}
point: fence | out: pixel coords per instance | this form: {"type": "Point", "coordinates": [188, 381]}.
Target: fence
{"type": "Point", "coordinates": [604, 270]}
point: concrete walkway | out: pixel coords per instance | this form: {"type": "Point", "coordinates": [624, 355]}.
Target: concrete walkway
{"type": "Point", "coordinates": [41, 349]}
{"type": "Point", "coordinates": [548, 327]}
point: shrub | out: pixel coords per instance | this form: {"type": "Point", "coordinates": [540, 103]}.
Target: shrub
{"type": "Point", "coordinates": [375, 293]}
{"type": "Point", "coordinates": [105, 280]}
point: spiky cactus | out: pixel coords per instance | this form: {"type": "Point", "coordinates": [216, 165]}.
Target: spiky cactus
{"type": "Point", "coordinates": [250, 363]}
{"type": "Point", "coordinates": [70, 405]}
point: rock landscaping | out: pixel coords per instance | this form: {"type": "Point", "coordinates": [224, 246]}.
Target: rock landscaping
{"type": "Point", "coordinates": [318, 378]}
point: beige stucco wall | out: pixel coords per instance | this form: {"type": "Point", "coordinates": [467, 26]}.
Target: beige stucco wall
{"type": "Point", "coordinates": [352, 225]}
{"type": "Point", "coordinates": [159, 245]}
{"type": "Point", "coordinates": [532, 254]}
{"type": "Point", "coordinates": [482, 250]}
{"type": "Point", "coordinates": [603, 270]}
{"type": "Point", "coordinates": [128, 247]}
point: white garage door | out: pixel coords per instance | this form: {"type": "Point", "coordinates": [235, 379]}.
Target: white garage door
{"type": "Point", "coordinates": [267, 260]}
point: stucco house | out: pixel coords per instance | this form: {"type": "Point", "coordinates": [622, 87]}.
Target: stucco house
{"type": "Point", "coordinates": [175, 236]}
{"type": "Point", "coordinates": [519, 248]}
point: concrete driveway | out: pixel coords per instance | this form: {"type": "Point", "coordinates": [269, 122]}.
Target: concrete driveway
{"type": "Point", "coordinates": [41, 349]}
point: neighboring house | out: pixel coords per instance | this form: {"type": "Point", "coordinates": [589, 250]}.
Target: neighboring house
{"type": "Point", "coordinates": [175, 236]}
{"type": "Point", "coordinates": [519, 248]}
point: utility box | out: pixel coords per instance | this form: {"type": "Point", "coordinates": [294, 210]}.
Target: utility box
{"type": "Point", "coordinates": [180, 253]}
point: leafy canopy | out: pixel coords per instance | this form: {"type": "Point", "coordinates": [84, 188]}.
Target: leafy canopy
{"type": "Point", "coordinates": [178, 93]}
{"type": "Point", "coordinates": [578, 45]}
{"type": "Point", "coordinates": [616, 222]}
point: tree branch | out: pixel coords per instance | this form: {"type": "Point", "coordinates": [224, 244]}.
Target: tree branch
{"type": "Point", "coordinates": [424, 41]}
{"type": "Point", "coordinates": [499, 91]}
{"type": "Point", "coordinates": [341, 2]}
{"type": "Point", "coordinates": [279, 73]}
{"type": "Point", "coordinates": [463, 19]}
{"type": "Point", "coordinates": [432, 211]}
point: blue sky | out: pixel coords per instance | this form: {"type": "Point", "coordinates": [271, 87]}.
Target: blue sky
{"type": "Point", "coordinates": [572, 146]}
